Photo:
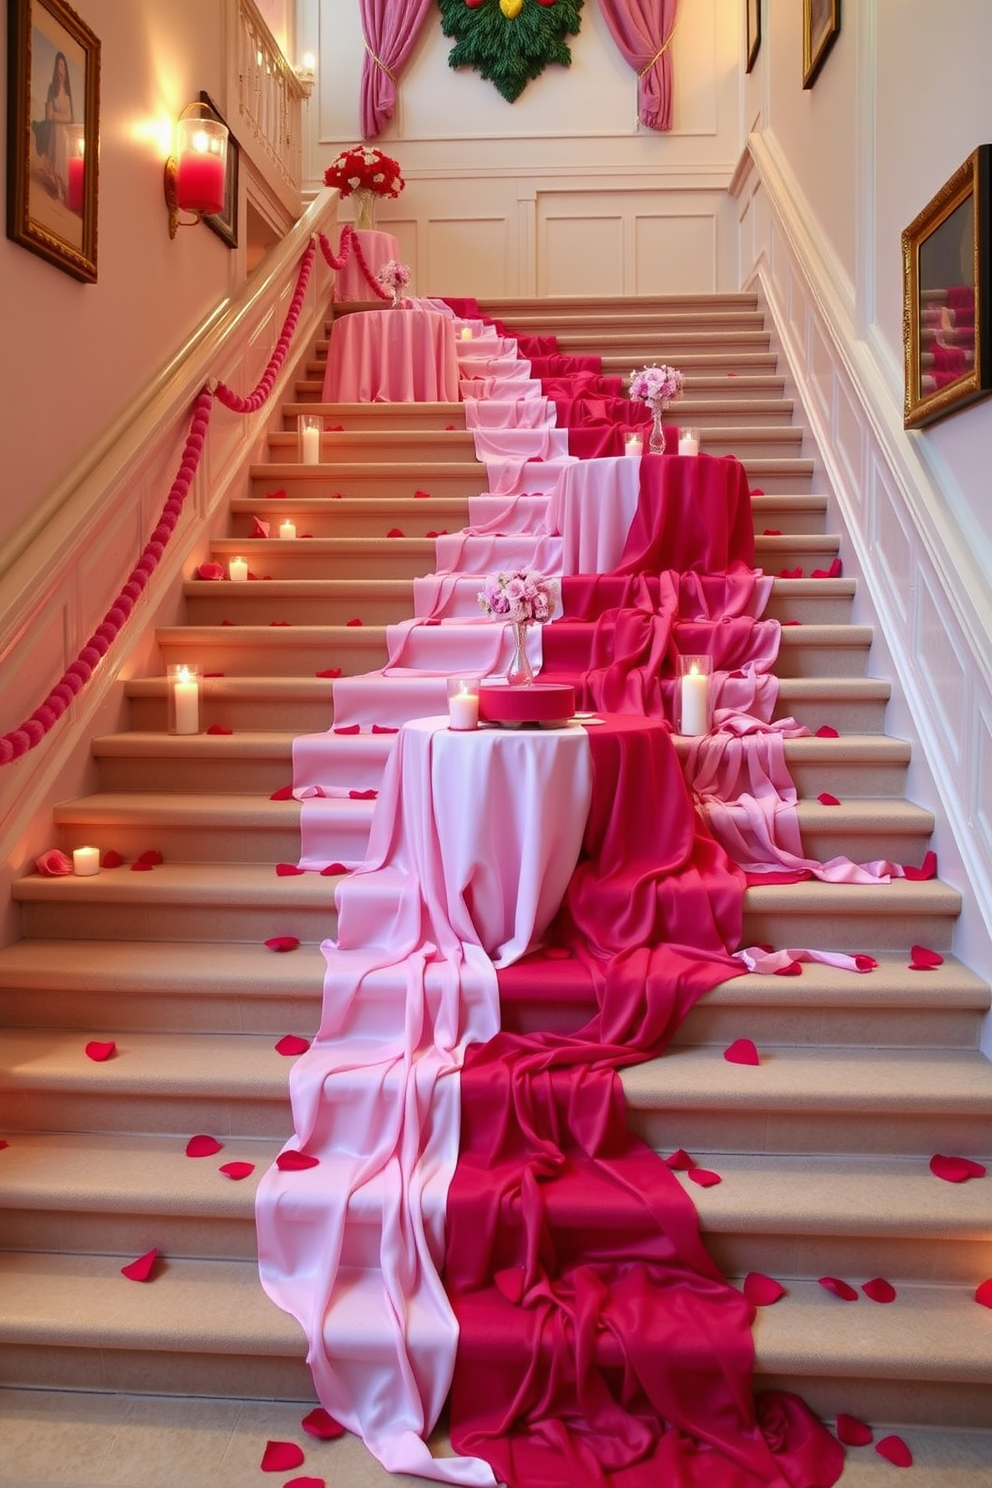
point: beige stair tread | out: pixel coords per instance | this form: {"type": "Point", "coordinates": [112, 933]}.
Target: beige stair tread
{"type": "Point", "coordinates": [241, 884]}
{"type": "Point", "coordinates": [162, 966]}
{"type": "Point", "coordinates": [173, 808]}
{"type": "Point", "coordinates": [339, 588]}
{"type": "Point", "coordinates": [253, 743]}
{"type": "Point", "coordinates": [275, 689]}
{"type": "Point", "coordinates": [862, 1081]}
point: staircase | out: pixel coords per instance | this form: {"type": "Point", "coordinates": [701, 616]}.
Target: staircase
{"type": "Point", "coordinates": [824, 1160]}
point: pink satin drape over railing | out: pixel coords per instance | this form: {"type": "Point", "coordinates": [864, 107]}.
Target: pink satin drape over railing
{"type": "Point", "coordinates": [642, 30]}
{"type": "Point", "coordinates": [389, 30]}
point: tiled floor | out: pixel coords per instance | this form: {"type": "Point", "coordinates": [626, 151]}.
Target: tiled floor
{"type": "Point", "coordinates": [51, 1440]}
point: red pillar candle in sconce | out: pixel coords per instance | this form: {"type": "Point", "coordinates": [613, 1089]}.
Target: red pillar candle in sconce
{"type": "Point", "coordinates": [196, 175]}
{"type": "Point", "coordinates": [75, 170]}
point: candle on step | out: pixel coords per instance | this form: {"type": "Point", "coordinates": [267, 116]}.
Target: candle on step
{"type": "Point", "coordinates": [694, 694]}
{"type": "Point", "coordinates": [463, 703]}
{"type": "Point", "coordinates": [287, 529]}
{"type": "Point", "coordinates": [238, 570]}
{"type": "Point", "coordinates": [85, 861]}
{"type": "Point", "coordinates": [688, 441]}
{"type": "Point", "coordinates": [184, 699]}
{"type": "Point", "coordinates": [310, 427]}
{"type": "Point", "coordinates": [633, 445]}
{"type": "Point", "coordinates": [466, 333]}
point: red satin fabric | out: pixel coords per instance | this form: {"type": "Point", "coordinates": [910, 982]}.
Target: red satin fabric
{"type": "Point", "coordinates": [599, 1344]}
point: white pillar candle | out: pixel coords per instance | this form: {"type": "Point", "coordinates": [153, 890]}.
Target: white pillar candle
{"type": "Point", "coordinates": [287, 529]}
{"type": "Point", "coordinates": [688, 441]}
{"type": "Point", "coordinates": [463, 703]}
{"type": "Point", "coordinates": [311, 446]}
{"type": "Point", "coordinates": [185, 685]}
{"type": "Point", "coordinates": [695, 702]}
{"type": "Point", "coordinates": [85, 861]}
{"type": "Point", "coordinates": [238, 570]}
{"type": "Point", "coordinates": [633, 445]}
{"type": "Point", "coordinates": [466, 333]}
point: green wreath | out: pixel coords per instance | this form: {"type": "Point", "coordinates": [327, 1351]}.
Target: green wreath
{"type": "Point", "coordinates": [510, 41]}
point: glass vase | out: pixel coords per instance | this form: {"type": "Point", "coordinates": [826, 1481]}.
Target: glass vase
{"type": "Point", "coordinates": [365, 203]}
{"type": "Point", "coordinates": [519, 673]}
{"type": "Point", "coordinates": [656, 443]}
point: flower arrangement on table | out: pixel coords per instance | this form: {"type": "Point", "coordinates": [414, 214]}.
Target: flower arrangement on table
{"type": "Point", "coordinates": [394, 277]}
{"type": "Point", "coordinates": [657, 386]}
{"type": "Point", "coordinates": [523, 597]}
{"type": "Point", "coordinates": [367, 174]}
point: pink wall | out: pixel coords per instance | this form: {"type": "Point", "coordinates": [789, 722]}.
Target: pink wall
{"type": "Point", "coordinates": [73, 355]}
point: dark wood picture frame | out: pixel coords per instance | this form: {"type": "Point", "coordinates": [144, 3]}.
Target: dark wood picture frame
{"type": "Point", "coordinates": [53, 134]}
{"type": "Point", "coordinates": [821, 27]}
{"type": "Point", "coordinates": [947, 296]}
{"type": "Point", "coordinates": [752, 31]}
{"type": "Point", "coordinates": [225, 224]}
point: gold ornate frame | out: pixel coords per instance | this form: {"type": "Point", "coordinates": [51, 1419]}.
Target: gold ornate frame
{"type": "Point", "coordinates": [946, 296]}
{"type": "Point", "coordinates": [752, 31]}
{"type": "Point", "coordinates": [821, 25]}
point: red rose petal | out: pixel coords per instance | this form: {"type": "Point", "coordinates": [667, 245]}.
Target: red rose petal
{"type": "Point", "coordinates": [275, 495]}
{"type": "Point", "coordinates": [53, 864]}
{"type": "Point", "coordinates": [3, 1143]}
{"type": "Point", "coordinates": [422, 495]}
{"type": "Point", "coordinates": [923, 959]}
{"type": "Point", "coordinates": [210, 571]}
{"type": "Point", "coordinates": [292, 1161]}
{"type": "Point", "coordinates": [284, 793]}
{"type": "Point", "coordinates": [111, 859]}
{"type": "Point", "coordinates": [833, 572]}
{"type": "Point", "coordinates": [894, 1450]}
{"type": "Point", "coordinates": [151, 856]}
{"type": "Point", "coordinates": [680, 1161]}
{"type": "Point", "coordinates": [349, 728]}
{"type": "Point", "coordinates": [839, 1288]}
{"type": "Point", "coordinates": [282, 943]}
{"type": "Point", "coordinates": [852, 1432]}
{"type": "Point", "coordinates": [772, 532]}
{"type": "Point", "coordinates": [955, 1169]}
{"type": "Point", "coordinates": [741, 1051]}
{"type": "Point", "coordinates": [353, 622]}
{"type": "Point", "coordinates": [330, 672]}
{"type": "Point", "coordinates": [98, 1051]}
{"type": "Point", "coordinates": [705, 1177]}
{"type": "Point", "coordinates": [237, 1170]}
{"type": "Point", "coordinates": [333, 869]}
{"type": "Point", "coordinates": [365, 795]}
{"type": "Point", "coordinates": [203, 1145]}
{"type": "Point", "coordinates": [280, 1456]}
{"type": "Point", "coordinates": [141, 1269]}
{"type": "Point", "coordinates": [879, 1290]}
{"type": "Point", "coordinates": [983, 1293]}
{"type": "Point", "coordinates": [762, 1290]}
{"type": "Point", "coordinates": [791, 968]}
{"type": "Point", "coordinates": [396, 532]}
{"type": "Point", "coordinates": [790, 573]}
{"type": "Point", "coordinates": [826, 799]}
{"type": "Point", "coordinates": [291, 1043]}
{"type": "Point", "coordinates": [927, 869]}
{"type": "Point", "coordinates": [218, 728]}
{"type": "Point", "coordinates": [381, 728]}
{"type": "Point", "coordinates": [865, 963]}
{"type": "Point", "coordinates": [826, 732]}
{"type": "Point", "coordinates": [280, 622]}
{"type": "Point", "coordinates": [142, 867]}
{"type": "Point", "coordinates": [305, 1482]}
{"type": "Point", "coordinates": [321, 1424]}
{"type": "Point", "coordinates": [259, 528]}
{"type": "Point", "coordinates": [288, 870]}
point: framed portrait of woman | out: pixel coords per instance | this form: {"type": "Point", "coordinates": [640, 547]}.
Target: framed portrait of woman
{"type": "Point", "coordinates": [53, 134]}
{"type": "Point", "coordinates": [821, 26]}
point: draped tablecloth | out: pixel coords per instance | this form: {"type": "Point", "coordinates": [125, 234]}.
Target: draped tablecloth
{"type": "Point", "coordinates": [392, 356]}
{"type": "Point", "coordinates": [378, 248]}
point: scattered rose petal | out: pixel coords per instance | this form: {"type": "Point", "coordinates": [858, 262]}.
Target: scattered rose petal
{"type": "Point", "coordinates": [292, 1043]}
{"type": "Point", "coordinates": [151, 857]}
{"type": "Point", "coordinates": [333, 869]}
{"type": "Point", "coordinates": [284, 793]}
{"type": "Point", "coordinates": [833, 572]}
{"type": "Point", "coordinates": [362, 795]}
{"type": "Point", "coordinates": [259, 528]}
{"type": "Point", "coordinates": [791, 968]}
{"type": "Point", "coordinates": [210, 571]}
{"type": "Point", "coordinates": [421, 495]}
{"type": "Point", "coordinates": [680, 1161]}
{"type": "Point", "coordinates": [826, 799]}
{"type": "Point", "coordinates": [772, 532]}
{"type": "Point", "coordinates": [879, 1290]}
{"type": "Point", "coordinates": [321, 1424]}
{"type": "Point", "coordinates": [852, 1432]}
{"type": "Point", "coordinates": [865, 963]}
{"type": "Point", "coordinates": [3, 1143]}
{"type": "Point", "coordinates": [381, 728]}
{"type": "Point", "coordinates": [349, 728]}
{"type": "Point", "coordinates": [741, 1051]}
{"type": "Point", "coordinates": [280, 622]}
{"type": "Point", "coordinates": [289, 870]}
{"type": "Point", "coordinates": [237, 1170]}
{"type": "Point", "coordinates": [53, 864]}
{"type": "Point", "coordinates": [111, 859]}
{"type": "Point", "coordinates": [839, 1288]}
{"type": "Point", "coordinates": [356, 621]}
{"type": "Point", "coordinates": [923, 959]}
{"type": "Point", "coordinates": [825, 731]}
{"type": "Point", "coordinates": [791, 573]}
{"type": "Point", "coordinates": [215, 674]}
{"type": "Point", "coordinates": [894, 1450]}
{"type": "Point", "coordinates": [557, 953]}
{"type": "Point", "coordinates": [280, 1456]}
{"type": "Point", "coordinates": [305, 1482]}
{"type": "Point", "coordinates": [927, 869]}
{"type": "Point", "coordinates": [142, 867]}
{"type": "Point", "coordinates": [99, 1052]}
{"type": "Point", "coordinates": [275, 495]}
{"type": "Point", "coordinates": [762, 1290]}
{"type": "Point", "coordinates": [330, 672]}
{"type": "Point", "coordinates": [955, 1169]}
{"type": "Point", "coordinates": [396, 532]}
{"type": "Point", "coordinates": [218, 728]}
{"type": "Point", "coordinates": [983, 1293]}
{"type": "Point", "coordinates": [141, 1269]}
{"type": "Point", "coordinates": [282, 943]}
{"type": "Point", "coordinates": [705, 1177]}
{"type": "Point", "coordinates": [292, 1161]}
{"type": "Point", "coordinates": [203, 1145]}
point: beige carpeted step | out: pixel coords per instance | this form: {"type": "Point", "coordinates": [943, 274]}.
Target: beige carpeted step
{"type": "Point", "coordinates": [712, 385]}
{"type": "Point", "coordinates": [369, 418]}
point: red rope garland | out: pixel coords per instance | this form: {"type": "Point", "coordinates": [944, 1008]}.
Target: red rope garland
{"type": "Point", "coordinates": [19, 741]}
{"type": "Point", "coordinates": [348, 244]}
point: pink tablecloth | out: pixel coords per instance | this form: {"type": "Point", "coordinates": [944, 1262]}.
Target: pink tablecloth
{"type": "Point", "coordinates": [392, 356]}
{"type": "Point", "coordinates": [377, 249]}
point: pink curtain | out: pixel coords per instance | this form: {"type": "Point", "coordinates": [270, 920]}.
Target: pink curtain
{"type": "Point", "coordinates": [389, 30]}
{"type": "Point", "coordinates": [642, 30]}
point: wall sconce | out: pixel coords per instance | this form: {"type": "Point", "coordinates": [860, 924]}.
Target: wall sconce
{"type": "Point", "coordinates": [195, 176]}
{"type": "Point", "coordinates": [305, 73]}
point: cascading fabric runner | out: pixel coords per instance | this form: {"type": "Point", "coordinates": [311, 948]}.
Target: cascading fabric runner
{"type": "Point", "coordinates": [597, 1343]}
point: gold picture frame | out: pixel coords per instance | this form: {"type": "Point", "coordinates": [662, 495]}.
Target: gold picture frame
{"type": "Point", "coordinates": [752, 32]}
{"type": "Point", "coordinates": [821, 26]}
{"type": "Point", "coordinates": [53, 134]}
{"type": "Point", "coordinates": [947, 290]}
{"type": "Point", "coordinates": [225, 224]}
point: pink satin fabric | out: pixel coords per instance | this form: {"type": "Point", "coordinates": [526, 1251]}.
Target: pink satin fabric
{"type": "Point", "coordinates": [392, 356]}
